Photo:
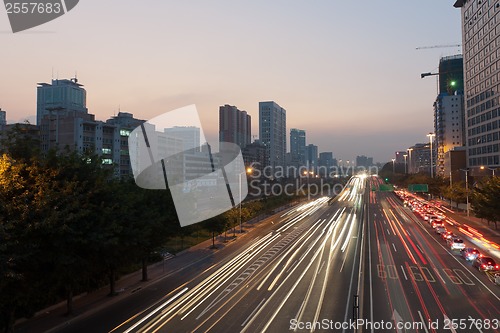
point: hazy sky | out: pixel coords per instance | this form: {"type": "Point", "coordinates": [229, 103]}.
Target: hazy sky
{"type": "Point", "coordinates": [346, 71]}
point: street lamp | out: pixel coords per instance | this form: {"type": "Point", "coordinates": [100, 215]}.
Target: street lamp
{"type": "Point", "coordinates": [492, 169]}
{"type": "Point", "coordinates": [410, 169]}
{"type": "Point", "coordinates": [466, 188]}
{"type": "Point", "coordinates": [431, 135]}
{"type": "Point", "coordinates": [393, 167]}
{"type": "Point", "coordinates": [405, 156]}
{"type": "Point", "coordinates": [247, 171]}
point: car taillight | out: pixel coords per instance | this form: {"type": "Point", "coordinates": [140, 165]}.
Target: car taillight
{"type": "Point", "coordinates": [483, 265]}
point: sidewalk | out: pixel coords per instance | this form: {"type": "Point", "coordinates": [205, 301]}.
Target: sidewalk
{"type": "Point", "coordinates": [53, 318]}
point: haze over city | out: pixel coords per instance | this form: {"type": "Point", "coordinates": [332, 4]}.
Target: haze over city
{"type": "Point", "coordinates": [347, 74]}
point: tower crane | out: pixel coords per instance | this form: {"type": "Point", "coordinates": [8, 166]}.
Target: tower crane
{"type": "Point", "coordinates": [437, 46]}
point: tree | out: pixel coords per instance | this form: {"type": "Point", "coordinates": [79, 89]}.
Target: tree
{"type": "Point", "coordinates": [215, 225]}
{"type": "Point", "coordinates": [484, 200]}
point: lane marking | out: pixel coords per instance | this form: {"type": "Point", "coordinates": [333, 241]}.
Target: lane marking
{"type": "Point", "coordinates": [157, 309]}
{"type": "Point", "coordinates": [404, 273]}
{"type": "Point", "coordinates": [394, 247]}
{"type": "Point", "coordinates": [423, 321]}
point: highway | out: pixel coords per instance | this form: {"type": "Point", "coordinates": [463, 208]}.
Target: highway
{"type": "Point", "coordinates": [414, 278]}
{"type": "Point", "coordinates": [364, 263]}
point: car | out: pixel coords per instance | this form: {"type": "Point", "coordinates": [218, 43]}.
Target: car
{"type": "Point", "coordinates": [455, 243]}
{"type": "Point", "coordinates": [439, 230]}
{"type": "Point", "coordinates": [470, 254]}
{"type": "Point", "coordinates": [437, 223]}
{"type": "Point", "coordinates": [485, 264]}
{"type": "Point", "coordinates": [447, 234]}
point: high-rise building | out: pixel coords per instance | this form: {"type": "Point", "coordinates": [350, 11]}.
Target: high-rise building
{"type": "Point", "coordinates": [326, 162]}
{"type": "Point", "coordinates": [312, 156]}
{"type": "Point", "coordinates": [400, 157]}
{"type": "Point", "coordinates": [363, 161]}
{"type": "Point", "coordinates": [254, 155]}
{"type": "Point", "coordinates": [419, 158]}
{"type": "Point", "coordinates": [451, 74]}
{"type": "Point", "coordinates": [481, 49]}
{"type": "Point", "coordinates": [60, 96]}
{"type": "Point", "coordinates": [83, 133]}
{"type": "Point", "coordinates": [3, 119]}
{"type": "Point", "coordinates": [234, 126]}
{"type": "Point", "coordinates": [125, 123]}
{"type": "Point", "coordinates": [297, 147]}
{"type": "Point", "coordinates": [449, 127]}
{"type": "Point", "coordinates": [272, 133]}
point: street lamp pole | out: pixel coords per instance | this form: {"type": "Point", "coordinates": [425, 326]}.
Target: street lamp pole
{"type": "Point", "coordinates": [410, 169]}
{"type": "Point", "coordinates": [241, 226]}
{"type": "Point", "coordinates": [249, 170]}
{"type": "Point", "coordinates": [466, 188]}
{"type": "Point", "coordinates": [393, 166]}
{"type": "Point", "coordinates": [405, 156]}
{"type": "Point", "coordinates": [431, 135]}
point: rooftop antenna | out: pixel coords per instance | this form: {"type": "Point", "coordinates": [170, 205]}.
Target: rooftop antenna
{"type": "Point", "coordinates": [76, 77]}
{"type": "Point", "coordinates": [52, 73]}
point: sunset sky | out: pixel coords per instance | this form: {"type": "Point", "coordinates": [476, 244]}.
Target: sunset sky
{"type": "Point", "coordinates": [346, 71]}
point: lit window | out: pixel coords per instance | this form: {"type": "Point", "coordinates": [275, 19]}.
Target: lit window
{"type": "Point", "coordinates": [124, 132]}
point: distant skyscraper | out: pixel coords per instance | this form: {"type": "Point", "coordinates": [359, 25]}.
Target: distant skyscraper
{"type": "Point", "coordinates": [312, 156]}
{"type": "Point", "coordinates": [400, 157]}
{"type": "Point", "coordinates": [419, 161]}
{"type": "Point", "coordinates": [297, 147]}
{"type": "Point", "coordinates": [481, 49]}
{"type": "Point", "coordinates": [3, 119]}
{"type": "Point", "coordinates": [363, 161]}
{"type": "Point", "coordinates": [61, 96]}
{"type": "Point", "coordinates": [254, 155]}
{"type": "Point", "coordinates": [234, 126]}
{"type": "Point", "coordinates": [272, 132]}
{"type": "Point", "coordinates": [326, 162]}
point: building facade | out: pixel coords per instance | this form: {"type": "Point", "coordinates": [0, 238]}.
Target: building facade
{"type": "Point", "coordinates": [363, 161]}
{"type": "Point", "coordinates": [234, 126]}
{"type": "Point", "coordinates": [481, 49]}
{"type": "Point", "coordinates": [124, 123]}
{"type": "Point", "coordinates": [449, 127]}
{"type": "Point", "coordinates": [272, 133]}
{"type": "Point", "coordinates": [60, 96]}
{"type": "Point", "coordinates": [297, 147]}
{"type": "Point", "coordinates": [3, 119]}
{"type": "Point", "coordinates": [326, 162]}
{"type": "Point", "coordinates": [419, 158]}
{"type": "Point", "coordinates": [254, 155]}
{"type": "Point", "coordinates": [451, 74]}
{"type": "Point", "coordinates": [312, 157]}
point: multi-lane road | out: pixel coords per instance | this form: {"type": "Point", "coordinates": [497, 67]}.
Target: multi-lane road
{"type": "Point", "coordinates": [412, 276]}
{"type": "Point", "coordinates": [359, 264]}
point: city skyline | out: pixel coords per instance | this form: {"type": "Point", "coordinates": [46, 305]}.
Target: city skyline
{"type": "Point", "coordinates": [336, 80]}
